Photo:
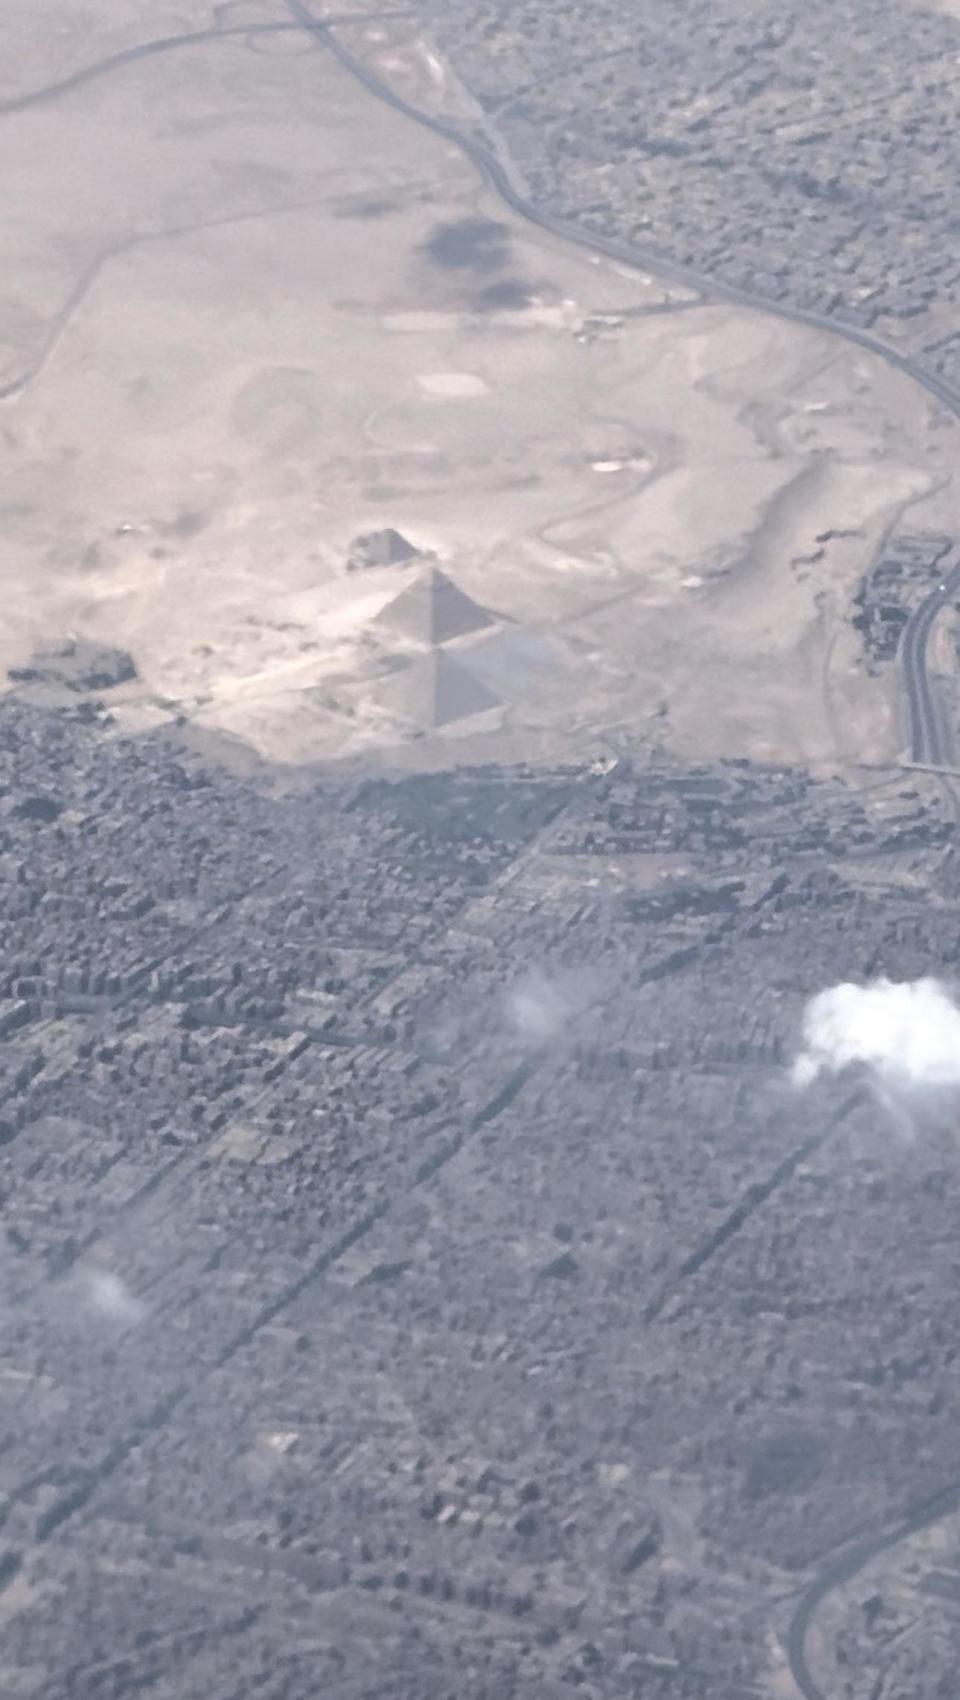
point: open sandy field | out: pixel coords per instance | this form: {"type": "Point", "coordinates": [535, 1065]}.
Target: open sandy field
{"type": "Point", "coordinates": [249, 315]}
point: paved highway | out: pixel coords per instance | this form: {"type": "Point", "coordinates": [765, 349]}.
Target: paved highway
{"type": "Point", "coordinates": [842, 1569]}
{"type": "Point", "coordinates": [129, 56]}
{"type": "Point", "coordinates": [153, 49]}
{"type": "Point", "coordinates": [481, 149]}
{"type": "Point", "coordinates": [929, 741]}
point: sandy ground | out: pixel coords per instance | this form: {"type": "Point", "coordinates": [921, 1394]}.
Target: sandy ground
{"type": "Point", "coordinates": [231, 341]}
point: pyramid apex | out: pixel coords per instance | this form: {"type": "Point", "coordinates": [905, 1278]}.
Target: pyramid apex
{"type": "Point", "coordinates": [432, 609]}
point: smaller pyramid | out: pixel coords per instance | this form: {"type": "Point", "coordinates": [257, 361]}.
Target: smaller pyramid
{"type": "Point", "coordinates": [433, 610]}
{"type": "Point", "coordinates": [435, 691]}
{"type": "Point", "coordinates": [386, 548]}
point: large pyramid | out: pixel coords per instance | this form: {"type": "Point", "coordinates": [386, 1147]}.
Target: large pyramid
{"type": "Point", "coordinates": [432, 609]}
{"type": "Point", "coordinates": [434, 691]}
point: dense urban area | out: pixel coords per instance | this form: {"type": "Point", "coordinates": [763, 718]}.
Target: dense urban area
{"type": "Point", "coordinates": [800, 152]}
{"type": "Point", "coordinates": [423, 1275]}
{"type": "Point", "coordinates": [340, 1124]}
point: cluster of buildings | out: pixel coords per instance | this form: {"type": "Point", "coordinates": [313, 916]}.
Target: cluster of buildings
{"type": "Point", "coordinates": [408, 1242]}
{"type": "Point", "coordinates": [808, 157]}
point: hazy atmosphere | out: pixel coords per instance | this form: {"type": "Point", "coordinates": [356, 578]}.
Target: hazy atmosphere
{"type": "Point", "coordinates": [479, 789]}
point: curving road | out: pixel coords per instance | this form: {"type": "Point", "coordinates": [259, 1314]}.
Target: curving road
{"type": "Point", "coordinates": [842, 1569]}
{"type": "Point", "coordinates": [129, 56]}
{"type": "Point", "coordinates": [481, 150]}
{"type": "Point", "coordinates": [154, 49]}
{"type": "Point", "coordinates": [929, 741]}
{"type": "Point", "coordinates": [928, 738]}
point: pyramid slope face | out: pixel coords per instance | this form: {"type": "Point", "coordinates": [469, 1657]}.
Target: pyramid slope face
{"type": "Point", "coordinates": [433, 610]}
{"type": "Point", "coordinates": [436, 692]}
{"type": "Point", "coordinates": [457, 692]}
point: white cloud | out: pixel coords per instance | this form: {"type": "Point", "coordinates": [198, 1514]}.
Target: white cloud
{"type": "Point", "coordinates": [105, 1293]}
{"type": "Point", "coordinates": [907, 1034]}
